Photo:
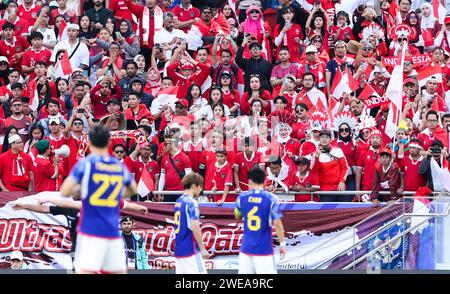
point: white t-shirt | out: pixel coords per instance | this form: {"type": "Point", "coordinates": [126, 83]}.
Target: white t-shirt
{"type": "Point", "coordinates": [81, 56]}
{"type": "Point", "coordinates": [49, 35]}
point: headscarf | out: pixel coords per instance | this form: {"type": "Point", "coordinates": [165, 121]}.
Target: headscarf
{"type": "Point", "coordinates": [427, 22]}
{"type": "Point", "coordinates": [152, 87]}
{"type": "Point", "coordinates": [129, 33]}
{"type": "Point", "coordinates": [250, 26]}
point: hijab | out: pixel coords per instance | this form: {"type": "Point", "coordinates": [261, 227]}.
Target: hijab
{"type": "Point", "coordinates": [153, 86]}
{"type": "Point", "coordinates": [427, 22]}
{"type": "Point", "coordinates": [250, 26]}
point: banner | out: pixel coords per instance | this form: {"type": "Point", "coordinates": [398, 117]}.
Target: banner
{"type": "Point", "coordinates": [45, 240]}
{"type": "Point", "coordinates": [375, 101]}
{"type": "Point", "coordinates": [417, 60]}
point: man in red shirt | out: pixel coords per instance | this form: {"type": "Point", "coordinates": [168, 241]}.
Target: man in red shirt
{"type": "Point", "coordinates": [18, 119]}
{"type": "Point", "coordinates": [366, 163]}
{"type": "Point", "coordinates": [13, 47]}
{"type": "Point", "coordinates": [280, 176]}
{"type": "Point", "coordinates": [67, 13]}
{"type": "Point", "coordinates": [313, 65]}
{"type": "Point", "coordinates": [45, 171]}
{"type": "Point", "coordinates": [223, 178]}
{"type": "Point", "coordinates": [174, 165]}
{"type": "Point", "coordinates": [185, 15]}
{"type": "Point", "coordinates": [139, 159]}
{"type": "Point", "coordinates": [37, 52]}
{"type": "Point", "coordinates": [409, 166]}
{"type": "Point", "coordinates": [16, 167]}
{"type": "Point", "coordinates": [28, 11]}
{"type": "Point", "coordinates": [433, 131]}
{"type": "Point", "coordinates": [244, 162]}
{"type": "Point", "coordinates": [120, 10]}
{"type": "Point", "coordinates": [195, 146]}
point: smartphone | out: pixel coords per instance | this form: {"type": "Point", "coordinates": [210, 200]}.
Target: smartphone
{"type": "Point", "coordinates": [118, 35]}
{"type": "Point", "coordinates": [81, 110]}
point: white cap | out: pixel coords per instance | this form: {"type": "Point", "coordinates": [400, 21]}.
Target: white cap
{"type": "Point", "coordinates": [52, 119]}
{"type": "Point", "coordinates": [14, 138]}
{"type": "Point", "coordinates": [16, 255]}
{"type": "Point", "coordinates": [3, 58]}
{"type": "Point", "coordinates": [311, 48]}
{"type": "Point", "coordinates": [73, 26]}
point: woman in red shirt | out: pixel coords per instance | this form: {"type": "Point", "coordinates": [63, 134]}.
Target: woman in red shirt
{"type": "Point", "coordinates": [318, 23]}
{"type": "Point", "coordinates": [290, 35]}
{"type": "Point", "coordinates": [256, 92]}
{"type": "Point", "coordinates": [230, 96]}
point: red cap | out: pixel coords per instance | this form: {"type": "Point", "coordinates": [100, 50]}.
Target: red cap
{"type": "Point", "coordinates": [447, 20]}
{"type": "Point", "coordinates": [16, 100]}
{"type": "Point", "coordinates": [423, 191]}
{"type": "Point", "coordinates": [183, 102]}
{"type": "Point", "coordinates": [376, 132]}
{"type": "Point", "coordinates": [409, 80]}
{"type": "Point", "coordinates": [188, 65]}
{"type": "Point", "coordinates": [386, 150]}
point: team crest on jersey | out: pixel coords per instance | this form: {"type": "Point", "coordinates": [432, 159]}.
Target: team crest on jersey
{"type": "Point", "coordinates": [34, 15]}
{"type": "Point", "coordinates": [192, 14]}
{"type": "Point", "coordinates": [222, 175]}
{"type": "Point", "coordinates": [18, 49]}
{"type": "Point", "coordinates": [150, 169]}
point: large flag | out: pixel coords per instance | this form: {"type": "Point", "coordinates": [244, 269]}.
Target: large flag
{"type": "Point", "coordinates": [62, 33]}
{"type": "Point", "coordinates": [429, 71]}
{"type": "Point", "coordinates": [343, 83]}
{"type": "Point", "coordinates": [394, 92]}
{"type": "Point", "coordinates": [394, 10]}
{"type": "Point", "coordinates": [165, 97]}
{"type": "Point", "coordinates": [34, 97]}
{"type": "Point", "coordinates": [439, 11]}
{"type": "Point", "coordinates": [146, 183]}
{"type": "Point", "coordinates": [65, 67]}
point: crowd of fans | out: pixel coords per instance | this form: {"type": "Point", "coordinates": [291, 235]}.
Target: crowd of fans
{"type": "Point", "coordinates": [219, 87]}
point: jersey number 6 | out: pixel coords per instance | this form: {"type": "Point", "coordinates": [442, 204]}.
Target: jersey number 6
{"type": "Point", "coordinates": [253, 221]}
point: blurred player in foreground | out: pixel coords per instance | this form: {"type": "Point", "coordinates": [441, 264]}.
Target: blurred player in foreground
{"type": "Point", "coordinates": [259, 210]}
{"type": "Point", "coordinates": [102, 179]}
{"type": "Point", "coordinates": [188, 254]}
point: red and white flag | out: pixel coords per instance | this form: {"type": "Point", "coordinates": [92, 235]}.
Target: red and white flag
{"type": "Point", "coordinates": [165, 97]}
{"type": "Point", "coordinates": [232, 4]}
{"type": "Point", "coordinates": [394, 10]}
{"type": "Point", "coordinates": [146, 183]}
{"type": "Point", "coordinates": [63, 31]}
{"type": "Point", "coordinates": [343, 83]}
{"type": "Point", "coordinates": [439, 11]}
{"type": "Point", "coordinates": [65, 67]}
{"type": "Point", "coordinates": [34, 96]}
{"type": "Point", "coordinates": [429, 71]}
{"type": "Point", "coordinates": [394, 92]}
{"type": "Point", "coordinates": [367, 92]}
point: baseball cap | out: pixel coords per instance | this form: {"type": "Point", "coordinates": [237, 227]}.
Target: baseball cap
{"type": "Point", "coordinates": [4, 59]}
{"type": "Point", "coordinates": [42, 145]}
{"type": "Point", "coordinates": [16, 100]}
{"type": "Point", "coordinates": [376, 132]}
{"type": "Point", "coordinates": [386, 150]}
{"type": "Point", "coordinates": [415, 144]}
{"type": "Point", "coordinates": [311, 49]}
{"type": "Point", "coordinates": [183, 102]}
{"type": "Point", "coordinates": [325, 132]}
{"type": "Point", "coordinates": [409, 80]}
{"type": "Point", "coordinates": [126, 219]}
{"type": "Point", "coordinates": [447, 20]}
{"type": "Point", "coordinates": [16, 255]}
{"type": "Point", "coordinates": [54, 119]}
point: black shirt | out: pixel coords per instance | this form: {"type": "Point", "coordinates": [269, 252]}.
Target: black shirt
{"type": "Point", "coordinates": [130, 246]}
{"type": "Point", "coordinates": [72, 216]}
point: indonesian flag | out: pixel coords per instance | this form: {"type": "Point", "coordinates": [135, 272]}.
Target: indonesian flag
{"type": "Point", "coordinates": [428, 72]}
{"type": "Point", "coordinates": [146, 183]}
{"type": "Point", "coordinates": [34, 97]}
{"type": "Point", "coordinates": [439, 11]}
{"type": "Point", "coordinates": [367, 92]}
{"type": "Point", "coordinates": [63, 31]}
{"type": "Point", "coordinates": [65, 67]}
{"type": "Point", "coordinates": [343, 83]}
{"type": "Point", "coordinates": [165, 97]}
{"type": "Point", "coordinates": [394, 92]}
{"type": "Point", "coordinates": [394, 10]}
{"type": "Point", "coordinates": [232, 4]}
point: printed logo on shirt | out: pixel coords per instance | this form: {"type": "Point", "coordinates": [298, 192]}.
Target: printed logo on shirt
{"type": "Point", "coordinates": [150, 169]}
{"type": "Point", "coordinates": [18, 49]}
{"type": "Point", "coordinates": [222, 175]}
{"type": "Point", "coordinates": [34, 15]}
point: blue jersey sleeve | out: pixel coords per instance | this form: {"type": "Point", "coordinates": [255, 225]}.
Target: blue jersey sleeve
{"type": "Point", "coordinates": [193, 213]}
{"type": "Point", "coordinates": [127, 178]}
{"type": "Point", "coordinates": [275, 210]}
{"type": "Point", "coordinates": [79, 170]}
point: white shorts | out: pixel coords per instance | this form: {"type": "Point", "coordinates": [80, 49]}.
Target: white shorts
{"type": "Point", "coordinates": [190, 265]}
{"type": "Point", "coordinates": [256, 264]}
{"type": "Point", "coordinates": [96, 254]}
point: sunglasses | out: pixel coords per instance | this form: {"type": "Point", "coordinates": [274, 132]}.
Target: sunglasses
{"type": "Point", "coordinates": [254, 11]}
{"type": "Point", "coordinates": [119, 151]}
{"type": "Point", "coordinates": [344, 130]}
{"type": "Point", "coordinates": [400, 40]}
{"type": "Point", "coordinates": [16, 105]}
{"type": "Point", "coordinates": [367, 49]}
{"type": "Point", "coordinates": [77, 123]}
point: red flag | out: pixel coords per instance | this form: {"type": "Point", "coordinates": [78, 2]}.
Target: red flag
{"type": "Point", "coordinates": [428, 72]}
{"type": "Point", "coordinates": [352, 83]}
{"type": "Point", "coordinates": [63, 31]}
{"type": "Point", "coordinates": [34, 96]}
{"type": "Point", "coordinates": [439, 11]}
{"type": "Point", "coordinates": [367, 92]}
{"type": "Point", "coordinates": [394, 10]}
{"type": "Point", "coordinates": [337, 88]}
{"type": "Point", "coordinates": [66, 66]}
{"type": "Point", "coordinates": [146, 183]}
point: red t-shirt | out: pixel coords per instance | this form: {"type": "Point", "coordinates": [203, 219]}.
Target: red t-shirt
{"type": "Point", "coordinates": [194, 151]}
{"type": "Point", "coordinates": [311, 179]}
{"type": "Point", "coordinates": [367, 160]}
{"type": "Point", "coordinates": [223, 176]}
{"type": "Point", "coordinates": [412, 179]}
{"type": "Point", "coordinates": [21, 26]}
{"type": "Point", "coordinates": [172, 179]}
{"type": "Point", "coordinates": [43, 171]}
{"type": "Point", "coordinates": [289, 40]}
{"type": "Point", "coordinates": [185, 14]}
{"type": "Point", "coordinates": [137, 166]}
{"type": "Point", "coordinates": [18, 45]}
{"type": "Point", "coordinates": [15, 176]}
{"type": "Point", "coordinates": [245, 165]}
{"type": "Point", "coordinates": [31, 56]}
{"type": "Point", "coordinates": [208, 161]}
{"type": "Point", "coordinates": [120, 9]}
{"type": "Point", "coordinates": [29, 15]}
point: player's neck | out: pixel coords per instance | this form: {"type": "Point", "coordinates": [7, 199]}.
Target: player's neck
{"type": "Point", "coordinates": [256, 187]}
{"type": "Point", "coordinates": [99, 151]}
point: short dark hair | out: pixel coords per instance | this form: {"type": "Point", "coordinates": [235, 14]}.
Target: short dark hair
{"type": "Point", "coordinates": [309, 74]}
{"type": "Point", "coordinates": [447, 115]}
{"type": "Point", "coordinates": [53, 101]}
{"type": "Point", "coordinates": [119, 145]}
{"type": "Point", "coordinates": [135, 94]}
{"type": "Point", "coordinates": [192, 179]}
{"type": "Point", "coordinates": [437, 143]}
{"type": "Point", "coordinates": [131, 62]}
{"type": "Point", "coordinates": [302, 105]}
{"type": "Point", "coordinates": [223, 152]}
{"type": "Point", "coordinates": [274, 159]}
{"type": "Point", "coordinates": [99, 136]}
{"type": "Point", "coordinates": [40, 62]}
{"type": "Point", "coordinates": [285, 48]}
{"type": "Point", "coordinates": [203, 48]}
{"type": "Point", "coordinates": [226, 51]}
{"type": "Point", "coordinates": [431, 112]}
{"type": "Point", "coordinates": [282, 98]}
{"type": "Point", "coordinates": [36, 35]}
{"type": "Point", "coordinates": [257, 175]}
{"type": "Point", "coordinates": [8, 25]}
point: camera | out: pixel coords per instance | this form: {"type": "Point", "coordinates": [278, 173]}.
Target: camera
{"type": "Point", "coordinates": [326, 149]}
{"type": "Point", "coordinates": [436, 150]}
{"type": "Point", "coordinates": [81, 110]}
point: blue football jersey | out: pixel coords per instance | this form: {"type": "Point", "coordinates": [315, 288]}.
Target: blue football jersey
{"type": "Point", "coordinates": [102, 180]}
{"type": "Point", "coordinates": [259, 208]}
{"type": "Point", "coordinates": [186, 210]}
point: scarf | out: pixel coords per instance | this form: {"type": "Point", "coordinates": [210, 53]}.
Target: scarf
{"type": "Point", "coordinates": [129, 31]}
{"type": "Point", "coordinates": [146, 22]}
{"type": "Point", "coordinates": [18, 169]}
{"type": "Point", "coordinates": [152, 87]}
{"type": "Point", "coordinates": [284, 172]}
{"type": "Point", "coordinates": [427, 22]}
